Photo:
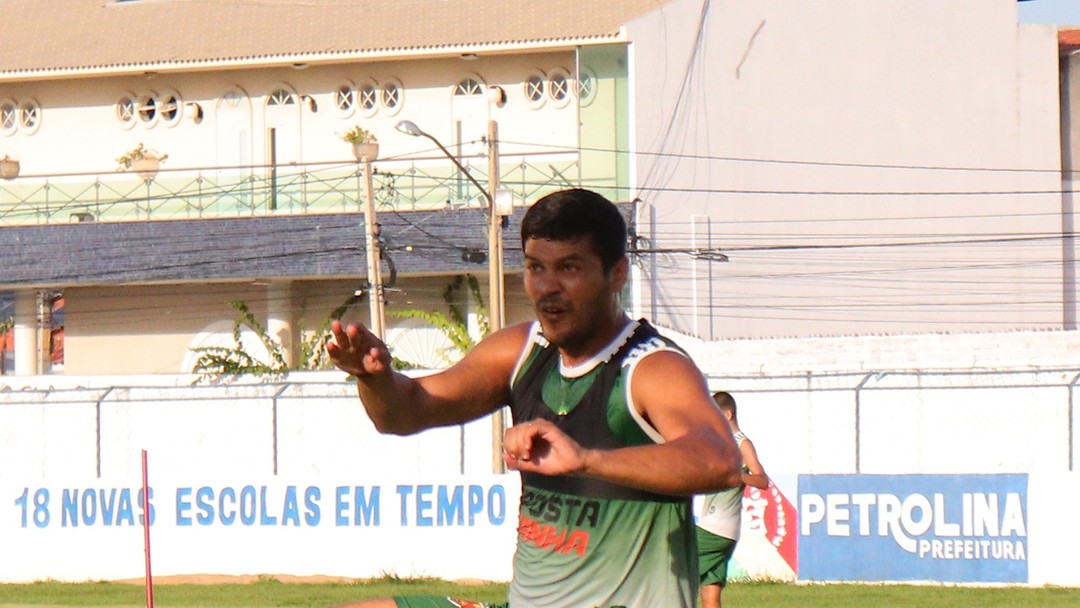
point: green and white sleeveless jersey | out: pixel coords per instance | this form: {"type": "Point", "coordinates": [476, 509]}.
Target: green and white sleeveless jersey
{"type": "Point", "coordinates": [721, 512]}
{"type": "Point", "coordinates": [586, 543]}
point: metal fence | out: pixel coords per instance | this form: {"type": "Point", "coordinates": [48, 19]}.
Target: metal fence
{"type": "Point", "coordinates": [905, 422]}
{"type": "Point", "coordinates": [883, 423]}
{"type": "Point", "coordinates": [248, 190]}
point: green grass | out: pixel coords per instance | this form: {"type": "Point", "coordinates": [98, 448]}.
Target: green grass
{"type": "Point", "coordinates": [783, 595]}
{"type": "Point", "coordinates": [268, 592]}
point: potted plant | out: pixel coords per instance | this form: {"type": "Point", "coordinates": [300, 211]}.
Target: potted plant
{"type": "Point", "coordinates": [144, 162]}
{"type": "Point", "coordinates": [365, 146]}
{"type": "Point", "coordinates": [9, 167]}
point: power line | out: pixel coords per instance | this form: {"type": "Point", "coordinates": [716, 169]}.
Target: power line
{"type": "Point", "coordinates": [794, 162]}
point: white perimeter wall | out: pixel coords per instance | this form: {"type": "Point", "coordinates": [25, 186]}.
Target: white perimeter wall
{"type": "Point", "coordinates": [293, 478]}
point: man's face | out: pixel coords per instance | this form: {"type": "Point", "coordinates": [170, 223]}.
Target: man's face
{"type": "Point", "coordinates": [573, 297]}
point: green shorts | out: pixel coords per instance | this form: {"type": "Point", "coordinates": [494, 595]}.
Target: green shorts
{"type": "Point", "coordinates": [441, 602]}
{"type": "Point", "coordinates": [714, 553]}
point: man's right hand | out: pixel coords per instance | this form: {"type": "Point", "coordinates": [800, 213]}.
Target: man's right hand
{"type": "Point", "coordinates": [357, 351]}
{"type": "Point", "coordinates": [538, 446]}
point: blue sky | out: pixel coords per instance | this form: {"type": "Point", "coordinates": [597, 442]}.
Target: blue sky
{"type": "Point", "coordinates": [1063, 12]}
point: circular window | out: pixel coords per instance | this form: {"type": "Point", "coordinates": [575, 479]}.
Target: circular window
{"type": "Point", "coordinates": [9, 116]}
{"type": "Point", "coordinates": [146, 108]}
{"type": "Point", "coordinates": [367, 98]}
{"type": "Point", "coordinates": [392, 96]}
{"type": "Point", "coordinates": [534, 88]}
{"type": "Point", "coordinates": [29, 116]}
{"type": "Point", "coordinates": [125, 110]}
{"type": "Point", "coordinates": [345, 100]}
{"type": "Point", "coordinates": [586, 86]}
{"type": "Point", "coordinates": [170, 107]}
{"type": "Point", "coordinates": [558, 87]}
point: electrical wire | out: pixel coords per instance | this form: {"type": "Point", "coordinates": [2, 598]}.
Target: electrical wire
{"type": "Point", "coordinates": [848, 264]}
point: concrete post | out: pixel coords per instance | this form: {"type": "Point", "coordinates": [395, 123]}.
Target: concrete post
{"type": "Point", "coordinates": [279, 318]}
{"type": "Point", "coordinates": [26, 334]}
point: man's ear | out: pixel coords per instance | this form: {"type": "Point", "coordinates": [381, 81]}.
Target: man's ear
{"type": "Point", "coordinates": [619, 274]}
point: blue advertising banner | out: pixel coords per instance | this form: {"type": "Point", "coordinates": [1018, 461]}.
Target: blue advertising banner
{"type": "Point", "coordinates": [944, 528]}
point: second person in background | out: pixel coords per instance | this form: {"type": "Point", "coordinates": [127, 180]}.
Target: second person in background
{"type": "Point", "coordinates": [721, 514]}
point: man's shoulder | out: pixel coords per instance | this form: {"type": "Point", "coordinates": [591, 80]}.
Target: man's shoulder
{"type": "Point", "coordinates": [648, 341]}
{"type": "Point", "coordinates": [513, 337]}
{"type": "Point", "coordinates": [497, 354]}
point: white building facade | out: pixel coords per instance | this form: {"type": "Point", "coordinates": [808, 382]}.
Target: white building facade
{"type": "Point", "coordinates": [870, 168]}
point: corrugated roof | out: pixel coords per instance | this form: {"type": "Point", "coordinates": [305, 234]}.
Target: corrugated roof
{"type": "Point", "coordinates": [230, 249]}
{"type": "Point", "coordinates": [72, 36]}
{"type": "Point", "coordinates": [420, 243]}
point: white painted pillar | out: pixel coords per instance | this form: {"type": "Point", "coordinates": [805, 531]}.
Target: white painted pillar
{"type": "Point", "coordinates": [1070, 292]}
{"type": "Point", "coordinates": [1070, 180]}
{"type": "Point", "coordinates": [279, 318]}
{"type": "Point", "coordinates": [26, 333]}
{"type": "Point", "coordinates": [701, 269]}
{"type": "Point", "coordinates": [465, 302]}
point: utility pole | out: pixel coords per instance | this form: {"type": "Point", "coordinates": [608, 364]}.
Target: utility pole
{"type": "Point", "coordinates": [374, 261]}
{"type": "Point", "coordinates": [495, 284]}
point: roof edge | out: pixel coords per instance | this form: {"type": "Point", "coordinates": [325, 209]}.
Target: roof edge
{"type": "Point", "coordinates": [310, 58]}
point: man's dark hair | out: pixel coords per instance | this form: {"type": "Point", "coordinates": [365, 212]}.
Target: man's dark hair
{"type": "Point", "coordinates": [569, 214]}
{"type": "Point", "coordinates": [725, 401]}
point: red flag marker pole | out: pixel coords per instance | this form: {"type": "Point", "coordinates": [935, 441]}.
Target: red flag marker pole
{"type": "Point", "coordinates": [146, 533]}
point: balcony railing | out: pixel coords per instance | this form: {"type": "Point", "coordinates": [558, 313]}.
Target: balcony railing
{"type": "Point", "coordinates": [330, 187]}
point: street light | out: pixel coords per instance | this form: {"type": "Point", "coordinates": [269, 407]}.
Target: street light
{"type": "Point", "coordinates": [409, 127]}
{"type": "Point", "coordinates": [496, 305]}
{"type": "Point", "coordinates": [495, 261]}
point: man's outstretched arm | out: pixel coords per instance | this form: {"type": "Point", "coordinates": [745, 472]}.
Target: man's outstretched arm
{"type": "Point", "coordinates": [402, 405]}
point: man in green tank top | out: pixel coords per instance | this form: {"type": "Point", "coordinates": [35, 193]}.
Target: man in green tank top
{"type": "Point", "coordinates": [613, 426]}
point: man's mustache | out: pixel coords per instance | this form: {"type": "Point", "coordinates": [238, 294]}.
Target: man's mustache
{"type": "Point", "coordinates": [552, 302]}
